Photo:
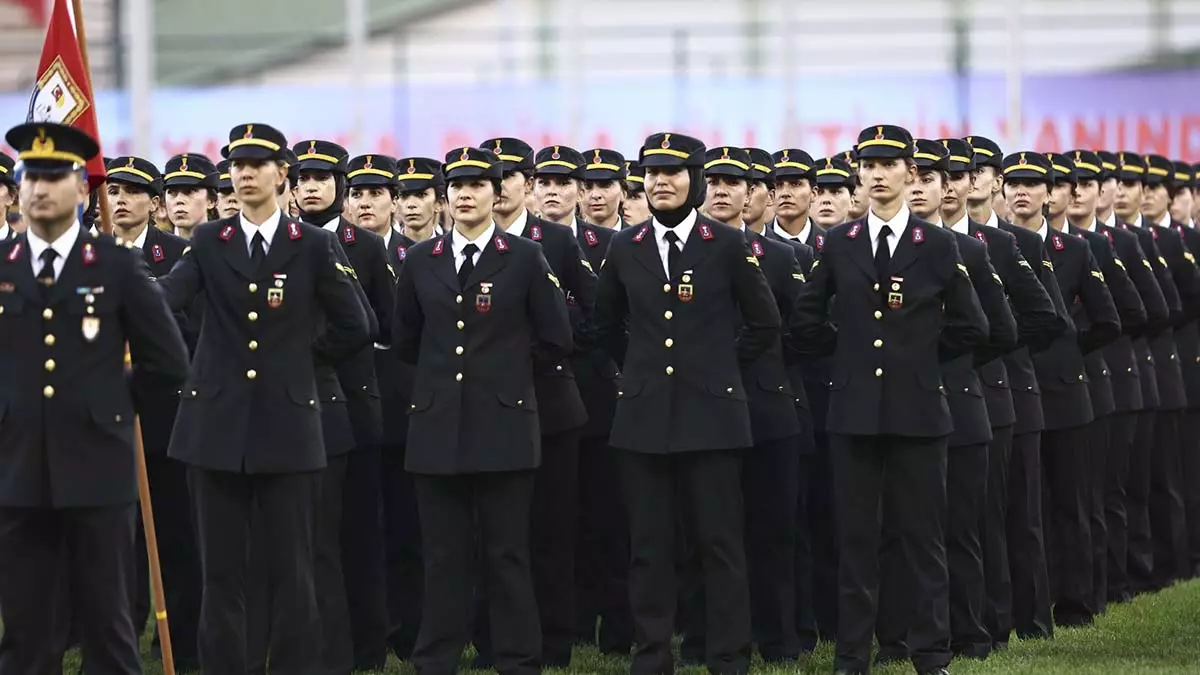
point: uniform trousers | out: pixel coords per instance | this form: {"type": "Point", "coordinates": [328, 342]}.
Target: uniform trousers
{"type": "Point", "coordinates": [1189, 459]}
{"type": "Point", "coordinates": [1031, 615]}
{"type": "Point", "coordinates": [552, 543]}
{"type": "Point", "coordinates": [904, 477]}
{"type": "Point", "coordinates": [283, 507]}
{"type": "Point", "coordinates": [362, 551]}
{"type": "Point", "coordinates": [823, 534]}
{"type": "Point", "coordinates": [710, 493]}
{"type": "Point", "coordinates": [1137, 504]}
{"type": "Point", "coordinates": [1122, 436]}
{"type": "Point", "coordinates": [1167, 525]}
{"type": "Point", "coordinates": [405, 570]}
{"type": "Point", "coordinates": [993, 529]}
{"type": "Point", "coordinates": [94, 546]}
{"type": "Point", "coordinates": [602, 551]}
{"type": "Point", "coordinates": [337, 645]}
{"type": "Point", "coordinates": [178, 556]}
{"type": "Point", "coordinates": [460, 515]}
{"type": "Point", "coordinates": [1066, 510]}
{"type": "Point", "coordinates": [1100, 433]}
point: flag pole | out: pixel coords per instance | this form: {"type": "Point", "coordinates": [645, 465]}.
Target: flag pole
{"type": "Point", "coordinates": [143, 479]}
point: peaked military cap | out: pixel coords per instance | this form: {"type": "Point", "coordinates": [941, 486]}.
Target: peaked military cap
{"type": "Point", "coordinates": [1063, 167]}
{"type": "Point", "coordinates": [986, 152]}
{"type": "Point", "coordinates": [378, 171]}
{"type": "Point", "coordinates": [292, 164]}
{"type": "Point", "coordinates": [1110, 162]}
{"type": "Point", "coordinates": [884, 141]}
{"type": "Point", "coordinates": [962, 157]}
{"type": "Point", "coordinates": [1131, 167]}
{"type": "Point", "coordinates": [1088, 165]}
{"type": "Point", "coordinates": [671, 149]}
{"type": "Point", "coordinates": [851, 158]}
{"type": "Point", "coordinates": [255, 142]}
{"type": "Point", "coordinates": [931, 155]}
{"type": "Point", "coordinates": [762, 166]}
{"type": "Point", "coordinates": [316, 155]}
{"type": "Point", "coordinates": [604, 164]}
{"type": "Point", "coordinates": [224, 180]}
{"type": "Point", "coordinates": [512, 153]}
{"type": "Point", "coordinates": [7, 170]}
{"type": "Point", "coordinates": [559, 160]}
{"type": "Point", "coordinates": [418, 173]}
{"type": "Point", "coordinates": [51, 148]}
{"type": "Point", "coordinates": [635, 175]}
{"type": "Point", "coordinates": [726, 161]}
{"type": "Point", "coordinates": [793, 163]}
{"type": "Point", "coordinates": [834, 171]}
{"type": "Point", "coordinates": [1185, 175]}
{"type": "Point", "coordinates": [471, 163]}
{"type": "Point", "coordinates": [1196, 176]}
{"type": "Point", "coordinates": [1028, 165]}
{"type": "Point", "coordinates": [190, 170]}
{"type": "Point", "coordinates": [135, 171]}
{"type": "Point", "coordinates": [1159, 170]}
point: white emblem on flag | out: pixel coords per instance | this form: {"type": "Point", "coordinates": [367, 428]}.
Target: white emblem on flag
{"type": "Point", "coordinates": [57, 98]}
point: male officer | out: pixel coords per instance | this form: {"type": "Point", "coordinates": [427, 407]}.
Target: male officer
{"type": "Point", "coordinates": [904, 304]}
{"type": "Point", "coordinates": [603, 188]}
{"type": "Point", "coordinates": [759, 209]}
{"type": "Point", "coordinates": [1038, 324]}
{"type": "Point", "coordinates": [1135, 389]}
{"type": "Point", "coordinates": [602, 548]}
{"type": "Point", "coordinates": [371, 181]}
{"type": "Point", "coordinates": [1162, 426]}
{"type": "Point", "coordinates": [8, 195]}
{"type": "Point", "coordinates": [782, 435]}
{"type": "Point", "coordinates": [635, 210]}
{"type": "Point", "coordinates": [190, 192]}
{"type": "Point", "coordinates": [967, 459]}
{"type": "Point", "coordinates": [792, 198]}
{"type": "Point", "coordinates": [248, 422]}
{"type": "Point", "coordinates": [474, 309]}
{"type": "Point", "coordinates": [1113, 378]}
{"type": "Point", "coordinates": [133, 186]}
{"type": "Point", "coordinates": [836, 184]}
{"type": "Point", "coordinates": [1066, 403]}
{"type": "Point", "coordinates": [680, 283]}
{"type": "Point", "coordinates": [70, 303]}
{"type": "Point", "coordinates": [362, 522]}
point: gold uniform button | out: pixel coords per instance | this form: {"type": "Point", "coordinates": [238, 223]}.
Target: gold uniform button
{"type": "Point", "coordinates": [1172, 357]}
{"type": "Point", "coordinates": [520, 402]}
{"type": "Point", "coordinates": [458, 299]}
{"type": "Point", "coordinates": [253, 316]}
{"type": "Point", "coordinates": [966, 390]}
{"type": "Point", "coordinates": [49, 340]}
{"type": "Point", "coordinates": [670, 370]}
{"type": "Point", "coordinates": [458, 350]}
{"type": "Point", "coordinates": [669, 343]}
{"type": "Point", "coordinates": [2, 310]}
{"type": "Point", "coordinates": [558, 369]}
{"type": "Point", "coordinates": [50, 365]}
{"type": "Point", "coordinates": [48, 391]}
{"type": "Point", "coordinates": [1081, 377]}
{"type": "Point", "coordinates": [458, 377]}
{"type": "Point", "coordinates": [666, 288]}
{"type": "Point", "coordinates": [253, 288]}
{"type": "Point", "coordinates": [91, 309]}
{"type": "Point", "coordinates": [875, 287]}
{"type": "Point", "coordinates": [878, 314]}
{"type": "Point", "coordinates": [1129, 370]}
{"type": "Point", "coordinates": [878, 344]}
{"type": "Point", "coordinates": [332, 398]}
{"type": "Point", "coordinates": [193, 393]}
{"type": "Point", "coordinates": [1104, 372]}
{"type": "Point", "coordinates": [879, 372]}
{"type": "Point", "coordinates": [251, 374]}
{"type": "Point", "coordinates": [461, 325]}
{"type": "Point", "coordinates": [312, 403]}
{"type": "Point", "coordinates": [47, 313]}
{"type": "Point", "coordinates": [253, 345]}
{"type": "Point", "coordinates": [668, 314]}
{"type": "Point", "coordinates": [728, 390]}
{"type": "Point", "coordinates": [117, 418]}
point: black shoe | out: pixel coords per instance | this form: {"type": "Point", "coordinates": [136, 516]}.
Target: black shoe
{"type": "Point", "coordinates": [936, 671]}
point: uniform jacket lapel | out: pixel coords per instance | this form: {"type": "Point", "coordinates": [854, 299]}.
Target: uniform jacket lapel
{"type": "Point", "coordinates": [72, 272]}
{"type": "Point", "coordinates": [861, 251]}
{"type": "Point", "coordinates": [235, 247]}
{"type": "Point", "coordinates": [23, 272]}
{"type": "Point", "coordinates": [444, 267]}
{"type": "Point", "coordinates": [646, 252]}
{"type": "Point", "coordinates": [697, 247]}
{"type": "Point", "coordinates": [283, 248]}
{"type": "Point", "coordinates": [491, 260]}
{"type": "Point", "coordinates": [908, 249]}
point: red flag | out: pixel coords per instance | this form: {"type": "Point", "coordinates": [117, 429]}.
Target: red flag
{"type": "Point", "coordinates": [63, 92]}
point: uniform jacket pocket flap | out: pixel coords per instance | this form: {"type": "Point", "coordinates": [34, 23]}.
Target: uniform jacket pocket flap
{"type": "Point", "coordinates": [628, 388]}
{"type": "Point", "coordinates": [110, 416]}
{"type": "Point", "coordinates": [839, 380]}
{"type": "Point", "coordinates": [511, 400]}
{"type": "Point", "coordinates": [11, 303]}
{"type": "Point", "coordinates": [1073, 378]}
{"type": "Point", "coordinates": [421, 400]}
{"type": "Point", "coordinates": [302, 396]}
{"type": "Point", "coordinates": [726, 390]}
{"type": "Point", "coordinates": [930, 379]}
{"type": "Point", "coordinates": [778, 384]}
{"type": "Point", "coordinates": [199, 391]}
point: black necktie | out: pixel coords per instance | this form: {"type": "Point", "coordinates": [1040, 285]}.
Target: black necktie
{"type": "Point", "coordinates": [883, 257]}
{"type": "Point", "coordinates": [45, 276]}
{"type": "Point", "coordinates": [673, 253]}
{"type": "Point", "coordinates": [468, 265]}
{"type": "Point", "coordinates": [257, 253]}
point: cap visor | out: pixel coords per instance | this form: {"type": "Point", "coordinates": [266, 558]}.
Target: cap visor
{"type": "Point", "coordinates": [1026, 174]}
{"type": "Point", "coordinates": [661, 160]}
{"type": "Point", "coordinates": [882, 152]}
{"type": "Point", "coordinates": [254, 152]}
{"type": "Point", "coordinates": [601, 174]}
{"type": "Point", "coordinates": [316, 165]}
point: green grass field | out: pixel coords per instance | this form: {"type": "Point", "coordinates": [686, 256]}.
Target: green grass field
{"type": "Point", "coordinates": [1154, 635]}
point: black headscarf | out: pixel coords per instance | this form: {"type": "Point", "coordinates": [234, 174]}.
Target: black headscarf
{"type": "Point", "coordinates": [334, 210]}
{"type": "Point", "coordinates": [695, 198]}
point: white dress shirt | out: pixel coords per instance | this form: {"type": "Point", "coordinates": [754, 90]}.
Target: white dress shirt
{"type": "Point", "coordinates": [1136, 222]}
{"type": "Point", "coordinates": [1091, 226]}
{"type": "Point", "coordinates": [898, 223]}
{"type": "Point", "coordinates": [1044, 230]}
{"type": "Point", "coordinates": [140, 242]}
{"type": "Point", "coordinates": [682, 230]}
{"type": "Point", "coordinates": [1166, 220]}
{"type": "Point", "coordinates": [458, 242]}
{"type": "Point", "coordinates": [1111, 220]}
{"type": "Point", "coordinates": [267, 228]}
{"type": "Point", "coordinates": [963, 225]}
{"type": "Point", "coordinates": [517, 229]}
{"type": "Point", "coordinates": [993, 220]}
{"type": "Point", "coordinates": [331, 226]}
{"type": "Point", "coordinates": [5, 232]}
{"type": "Point", "coordinates": [62, 246]}
{"type": "Point", "coordinates": [787, 236]}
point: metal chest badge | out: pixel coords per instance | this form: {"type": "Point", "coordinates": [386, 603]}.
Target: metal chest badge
{"type": "Point", "coordinates": [895, 297]}
{"type": "Point", "coordinates": [685, 291]}
{"type": "Point", "coordinates": [90, 325]}
{"type": "Point", "coordinates": [275, 297]}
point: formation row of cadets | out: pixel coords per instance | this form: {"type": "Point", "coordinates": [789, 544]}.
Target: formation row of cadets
{"type": "Point", "coordinates": [791, 552]}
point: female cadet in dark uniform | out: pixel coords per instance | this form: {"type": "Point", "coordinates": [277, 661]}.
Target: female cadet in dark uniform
{"type": "Point", "coordinates": [468, 306]}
